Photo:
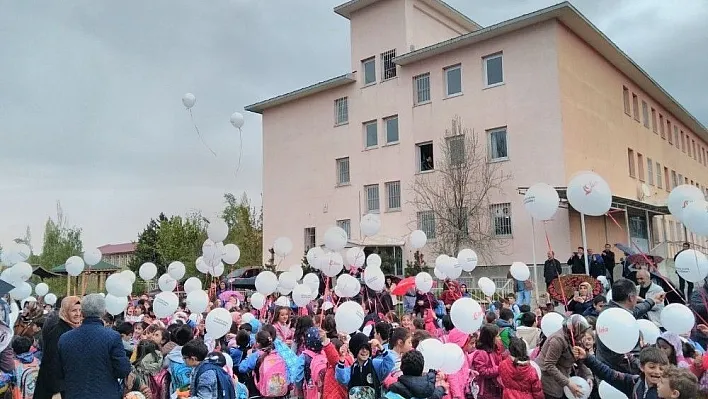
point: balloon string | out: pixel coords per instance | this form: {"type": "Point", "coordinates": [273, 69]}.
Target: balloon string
{"type": "Point", "coordinates": [560, 284]}
{"type": "Point", "coordinates": [191, 116]}
{"type": "Point", "coordinates": [240, 151]}
{"type": "Point", "coordinates": [658, 273]}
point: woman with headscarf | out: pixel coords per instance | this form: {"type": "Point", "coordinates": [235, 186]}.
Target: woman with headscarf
{"type": "Point", "coordinates": [582, 300]}
{"type": "Point", "coordinates": [48, 381]}
{"type": "Point", "coordinates": [556, 359]}
{"type": "Point", "coordinates": [451, 293]}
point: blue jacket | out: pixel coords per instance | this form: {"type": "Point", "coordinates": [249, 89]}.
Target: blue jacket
{"type": "Point", "coordinates": [383, 364]}
{"type": "Point", "coordinates": [92, 361]}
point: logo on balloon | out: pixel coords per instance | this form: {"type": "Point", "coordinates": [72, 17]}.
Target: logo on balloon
{"type": "Point", "coordinates": [589, 187]}
{"type": "Point", "coordinates": [603, 330]}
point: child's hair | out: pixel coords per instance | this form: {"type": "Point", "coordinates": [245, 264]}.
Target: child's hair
{"type": "Point", "coordinates": [124, 328]}
{"type": "Point", "coordinates": [276, 314]}
{"type": "Point", "coordinates": [303, 324]}
{"type": "Point", "coordinates": [182, 334]}
{"type": "Point", "coordinates": [592, 320]}
{"type": "Point", "coordinates": [506, 314]}
{"type": "Point", "coordinates": [392, 317]}
{"type": "Point", "coordinates": [412, 363]}
{"type": "Point", "coordinates": [270, 330]}
{"type": "Point", "coordinates": [246, 326]}
{"type": "Point", "coordinates": [487, 337]}
{"type": "Point", "coordinates": [524, 308]}
{"type": "Point", "coordinates": [419, 336]}
{"type": "Point", "coordinates": [510, 296]}
{"type": "Point", "coordinates": [146, 347]}
{"type": "Point", "coordinates": [418, 323]}
{"type": "Point", "coordinates": [689, 352]}
{"type": "Point", "coordinates": [447, 323]}
{"type": "Point", "coordinates": [195, 348]}
{"type": "Point", "coordinates": [265, 344]}
{"type": "Point", "coordinates": [330, 326]}
{"type": "Point", "coordinates": [383, 329]}
{"type": "Point", "coordinates": [683, 381]}
{"type": "Point", "coordinates": [652, 354]}
{"type": "Point", "coordinates": [517, 350]}
{"type": "Point", "coordinates": [21, 344]}
{"type": "Point", "coordinates": [599, 299]}
{"type": "Point", "coordinates": [142, 324]}
{"type": "Point", "coordinates": [108, 319]}
{"type": "Point", "coordinates": [528, 319]}
{"type": "Point", "coordinates": [243, 339]}
{"type": "Point", "coordinates": [490, 317]}
{"type": "Point", "coordinates": [337, 343]}
{"type": "Point", "coordinates": [398, 334]}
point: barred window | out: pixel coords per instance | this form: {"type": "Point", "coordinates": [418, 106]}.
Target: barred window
{"type": "Point", "coordinates": [421, 86]}
{"type": "Point", "coordinates": [501, 219]}
{"type": "Point", "coordinates": [426, 222]}
{"type": "Point", "coordinates": [341, 111]}
{"type": "Point", "coordinates": [372, 198]}
{"type": "Point", "coordinates": [343, 171]}
{"type": "Point", "coordinates": [310, 237]}
{"type": "Point", "coordinates": [456, 150]}
{"type": "Point", "coordinates": [393, 195]}
{"type": "Point", "coordinates": [346, 225]}
{"type": "Point", "coordinates": [388, 67]}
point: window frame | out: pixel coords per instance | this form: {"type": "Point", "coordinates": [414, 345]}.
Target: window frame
{"type": "Point", "coordinates": [456, 138]}
{"type": "Point", "coordinates": [368, 61]}
{"type": "Point", "coordinates": [631, 161]}
{"type": "Point", "coordinates": [640, 167]}
{"type": "Point", "coordinates": [339, 162]}
{"type": "Point", "coordinates": [486, 60]}
{"type": "Point", "coordinates": [388, 56]}
{"type": "Point", "coordinates": [653, 121]}
{"type": "Point", "coordinates": [398, 129]}
{"type": "Point", "coordinates": [365, 127]}
{"type": "Point", "coordinates": [307, 236]}
{"type": "Point", "coordinates": [370, 201]}
{"type": "Point", "coordinates": [417, 90]}
{"type": "Point", "coordinates": [626, 101]}
{"type": "Point", "coordinates": [645, 114]}
{"type": "Point", "coordinates": [446, 76]}
{"type": "Point", "coordinates": [492, 211]}
{"type": "Point", "coordinates": [490, 132]}
{"type": "Point", "coordinates": [430, 234]}
{"type": "Point", "coordinates": [667, 179]}
{"type": "Point", "coordinates": [658, 176]}
{"type": "Point", "coordinates": [387, 188]}
{"type": "Point", "coordinates": [650, 171]}
{"type": "Point", "coordinates": [342, 100]}
{"type": "Point", "coordinates": [419, 159]}
{"type": "Point", "coordinates": [635, 106]}
{"type": "Point", "coordinates": [346, 225]}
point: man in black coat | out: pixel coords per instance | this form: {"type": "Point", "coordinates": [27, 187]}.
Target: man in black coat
{"type": "Point", "coordinates": [551, 268]}
{"type": "Point", "coordinates": [577, 262]}
{"type": "Point", "coordinates": [608, 258]}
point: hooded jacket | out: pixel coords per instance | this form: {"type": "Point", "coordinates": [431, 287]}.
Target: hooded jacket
{"type": "Point", "coordinates": [675, 341]}
{"type": "Point", "coordinates": [418, 387]}
{"type": "Point", "coordinates": [520, 381]}
{"type": "Point", "coordinates": [460, 381]}
{"type": "Point", "coordinates": [139, 377]}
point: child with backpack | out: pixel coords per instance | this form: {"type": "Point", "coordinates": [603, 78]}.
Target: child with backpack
{"type": "Point", "coordinates": [363, 378]}
{"type": "Point", "coordinates": [516, 374]}
{"type": "Point", "coordinates": [334, 350]}
{"type": "Point", "coordinates": [209, 379]}
{"type": "Point", "coordinates": [25, 370]}
{"type": "Point", "coordinates": [412, 383]}
{"type": "Point", "coordinates": [505, 322]}
{"type": "Point", "coordinates": [147, 365]}
{"type": "Point", "coordinates": [315, 363]}
{"type": "Point", "coordinates": [270, 374]}
{"type": "Point", "coordinates": [179, 372]}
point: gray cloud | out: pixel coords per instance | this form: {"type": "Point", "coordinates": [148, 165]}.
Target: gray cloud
{"type": "Point", "coordinates": [90, 110]}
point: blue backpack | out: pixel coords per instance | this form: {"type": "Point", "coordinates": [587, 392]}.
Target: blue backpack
{"type": "Point", "coordinates": [180, 375]}
{"type": "Point", "coordinates": [225, 385]}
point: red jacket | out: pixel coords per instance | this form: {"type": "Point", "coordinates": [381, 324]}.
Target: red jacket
{"type": "Point", "coordinates": [520, 381]}
{"type": "Point", "coordinates": [333, 389]}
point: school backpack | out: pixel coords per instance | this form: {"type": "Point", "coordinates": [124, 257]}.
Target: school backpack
{"type": "Point", "coordinates": [314, 374]}
{"type": "Point", "coordinates": [703, 383]}
{"type": "Point", "coordinates": [505, 336]}
{"type": "Point", "coordinates": [180, 375]}
{"type": "Point", "coordinates": [272, 377]}
{"type": "Point", "coordinates": [160, 384]}
{"type": "Point", "coordinates": [26, 374]}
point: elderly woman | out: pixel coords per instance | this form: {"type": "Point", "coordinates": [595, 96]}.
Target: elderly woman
{"type": "Point", "coordinates": [582, 300]}
{"type": "Point", "coordinates": [49, 380]}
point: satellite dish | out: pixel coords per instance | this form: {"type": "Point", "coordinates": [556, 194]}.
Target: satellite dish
{"type": "Point", "coordinates": [646, 190]}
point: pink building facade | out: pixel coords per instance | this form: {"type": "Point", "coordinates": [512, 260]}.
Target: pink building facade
{"type": "Point", "coordinates": [544, 91]}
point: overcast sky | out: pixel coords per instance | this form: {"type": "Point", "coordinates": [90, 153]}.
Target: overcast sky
{"type": "Point", "coordinates": [90, 110]}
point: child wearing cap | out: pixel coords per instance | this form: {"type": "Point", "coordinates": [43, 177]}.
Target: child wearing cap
{"type": "Point", "coordinates": [363, 378]}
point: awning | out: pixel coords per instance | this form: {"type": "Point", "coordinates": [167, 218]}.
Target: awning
{"type": "Point", "coordinates": [375, 241]}
{"type": "Point", "coordinates": [617, 202]}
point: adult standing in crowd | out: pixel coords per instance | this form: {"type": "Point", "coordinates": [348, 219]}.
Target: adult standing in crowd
{"type": "Point", "coordinates": [683, 284]}
{"type": "Point", "coordinates": [556, 359]}
{"type": "Point", "coordinates": [608, 257]}
{"type": "Point", "coordinates": [577, 262]}
{"type": "Point", "coordinates": [649, 289]}
{"type": "Point", "coordinates": [551, 268]}
{"type": "Point", "coordinates": [49, 379]}
{"type": "Point", "coordinates": [92, 356]}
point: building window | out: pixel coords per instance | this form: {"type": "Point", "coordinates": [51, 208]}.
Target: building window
{"type": "Point", "coordinates": [371, 134]}
{"type": "Point", "coordinates": [653, 120]}
{"type": "Point", "coordinates": [498, 150]}
{"type": "Point", "coordinates": [668, 127]}
{"type": "Point", "coordinates": [635, 106]}
{"type": "Point", "coordinates": [671, 139]}
{"type": "Point", "coordinates": [456, 149]}
{"type": "Point", "coordinates": [310, 237]}
{"type": "Point", "coordinates": [667, 182]}
{"type": "Point", "coordinates": [645, 114]}
{"type": "Point", "coordinates": [369, 68]}
{"type": "Point", "coordinates": [493, 70]}
{"type": "Point", "coordinates": [425, 157]}
{"type": "Point", "coordinates": [693, 151]}
{"type": "Point", "coordinates": [658, 175]}
{"type": "Point", "coordinates": [501, 219]}
{"type": "Point", "coordinates": [453, 80]}
{"type": "Point", "coordinates": [341, 111]}
{"type": "Point", "coordinates": [640, 163]}
{"type": "Point", "coordinates": [680, 179]}
{"type": "Point", "coordinates": [388, 67]}
{"type": "Point", "coordinates": [426, 222]}
{"type": "Point", "coordinates": [630, 159]}
{"type": "Point", "coordinates": [342, 171]}
{"type": "Point", "coordinates": [676, 136]}
{"type": "Point", "coordinates": [683, 142]}
{"type": "Point", "coordinates": [393, 195]}
{"type": "Point", "coordinates": [421, 88]}
{"type": "Point", "coordinates": [391, 125]}
{"type": "Point", "coordinates": [674, 179]}
{"type": "Point", "coordinates": [703, 156]}
{"type": "Point", "coordinates": [625, 97]}
{"type": "Point", "coordinates": [346, 225]}
{"type": "Point", "coordinates": [661, 126]}
{"type": "Point", "coordinates": [372, 198]}
{"type": "Point", "coordinates": [650, 171]}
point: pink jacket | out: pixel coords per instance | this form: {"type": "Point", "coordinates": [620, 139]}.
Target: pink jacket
{"type": "Point", "coordinates": [487, 365]}
{"type": "Point", "coordinates": [460, 381]}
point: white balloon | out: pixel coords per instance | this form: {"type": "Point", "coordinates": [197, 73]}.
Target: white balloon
{"type": "Point", "coordinates": [115, 305]}
{"type": "Point", "coordinates": [349, 317]}
{"type": "Point", "coordinates": [188, 100]}
{"type": "Point", "coordinates": [92, 257]}
{"type": "Point", "coordinates": [453, 358]}
{"type": "Point", "coordinates": [176, 270]}
{"type": "Point", "coordinates": [197, 301]}
{"type": "Point", "coordinates": [608, 296]}
{"type": "Point", "coordinates": [433, 354]}
{"type": "Point", "coordinates": [584, 386]}
{"type": "Point", "coordinates": [21, 291]}
{"type": "Point", "coordinates": [297, 271]}
{"type": "Point", "coordinates": [128, 274]}
{"type": "Point", "coordinates": [374, 278]}
{"type": "Point", "coordinates": [20, 251]}
{"type": "Point", "coordinates": [311, 280]}
{"type": "Point", "coordinates": [373, 260]}
{"type": "Point", "coordinates": [551, 323]}
{"type": "Point", "coordinates": [541, 201]}
{"type": "Point", "coordinates": [236, 120]}
{"type": "Point", "coordinates": [266, 282]}
{"type": "Point", "coordinates": [287, 280]}
{"type": "Point", "coordinates": [370, 224]}
{"type": "Point", "coordinates": [348, 286]}
{"type": "Point", "coordinates": [618, 330]}
{"type": "Point", "coordinates": [332, 264]}
{"type": "Point", "coordinates": [118, 285]}
{"type": "Point", "coordinates": [217, 270]}
{"type": "Point", "coordinates": [536, 367]}
{"type": "Point", "coordinates": [74, 266]}
{"type": "Point", "coordinates": [335, 238]}
{"type": "Point", "coordinates": [23, 271]}
{"type": "Point", "coordinates": [147, 271]}
{"type": "Point", "coordinates": [41, 289]}
{"type": "Point", "coordinates": [487, 286]}
{"type": "Point", "coordinates": [423, 282]}
{"type": "Point", "coordinates": [682, 196]}
{"type": "Point", "coordinates": [313, 254]}
{"type": "Point", "coordinates": [692, 265]}
{"type": "Point", "coordinates": [247, 317]}
{"type": "Point", "coordinates": [211, 253]}
{"type": "Point", "coordinates": [282, 246]}
{"type": "Point", "coordinates": [217, 230]}
{"type": "Point", "coordinates": [202, 267]}
{"type": "Point", "coordinates": [468, 259]}
{"type": "Point", "coordinates": [520, 271]}
{"type": "Point", "coordinates": [302, 295]}
{"type": "Point", "coordinates": [438, 274]}
{"type": "Point", "coordinates": [283, 301]}
{"type": "Point", "coordinates": [231, 254]}
{"type": "Point", "coordinates": [444, 263]}
{"type": "Point", "coordinates": [166, 283]}
{"type": "Point", "coordinates": [589, 193]}
{"type": "Point", "coordinates": [695, 217]}
{"type": "Point", "coordinates": [356, 257]}
{"type": "Point", "coordinates": [327, 305]}
{"type": "Point", "coordinates": [418, 239]}
{"type": "Point", "coordinates": [467, 315]}
{"type": "Point", "coordinates": [50, 299]}
{"type": "Point", "coordinates": [677, 318]}
{"type": "Point", "coordinates": [258, 300]}
{"type": "Point", "coordinates": [28, 299]}
{"type": "Point", "coordinates": [455, 269]}
{"type": "Point", "coordinates": [650, 332]}
{"type": "Point", "coordinates": [607, 391]}
{"type": "Point", "coordinates": [165, 304]}
{"type": "Point", "coordinates": [192, 284]}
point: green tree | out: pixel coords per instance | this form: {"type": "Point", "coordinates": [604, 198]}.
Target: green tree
{"type": "Point", "coordinates": [146, 248]}
{"type": "Point", "coordinates": [245, 229]}
{"type": "Point", "coordinates": [180, 239]}
{"type": "Point", "coordinates": [60, 241]}
{"type": "Point", "coordinates": [417, 265]}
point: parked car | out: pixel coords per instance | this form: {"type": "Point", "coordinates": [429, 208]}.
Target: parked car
{"type": "Point", "coordinates": [242, 279]}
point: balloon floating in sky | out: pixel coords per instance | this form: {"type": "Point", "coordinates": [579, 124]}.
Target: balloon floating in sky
{"type": "Point", "coordinates": [188, 100]}
{"type": "Point", "coordinates": [237, 120]}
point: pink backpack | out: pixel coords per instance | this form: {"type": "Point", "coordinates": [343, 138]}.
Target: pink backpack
{"type": "Point", "coordinates": [272, 381]}
{"type": "Point", "coordinates": [160, 384]}
{"type": "Point", "coordinates": [318, 366]}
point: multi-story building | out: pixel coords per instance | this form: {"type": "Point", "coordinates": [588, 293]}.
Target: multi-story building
{"type": "Point", "coordinates": [549, 94]}
{"type": "Point", "coordinates": [118, 254]}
